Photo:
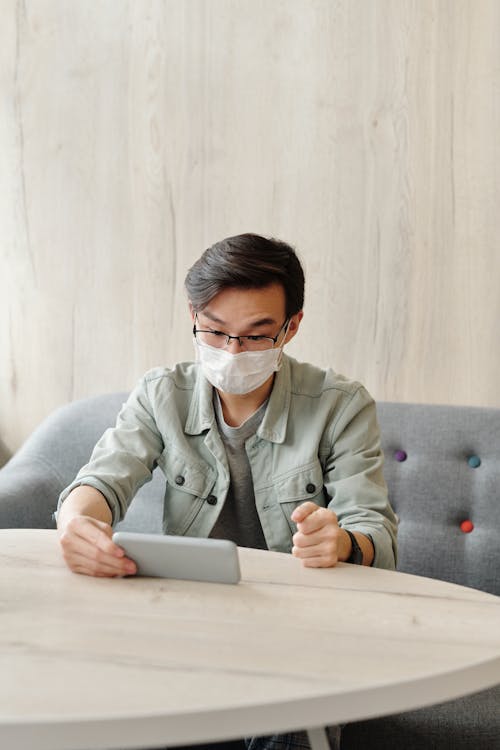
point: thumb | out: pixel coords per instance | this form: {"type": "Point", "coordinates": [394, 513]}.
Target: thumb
{"type": "Point", "coordinates": [94, 523]}
{"type": "Point", "coordinates": [302, 511]}
{"type": "Point", "coordinates": [104, 526]}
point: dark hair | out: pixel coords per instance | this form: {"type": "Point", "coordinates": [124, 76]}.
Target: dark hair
{"type": "Point", "coordinates": [247, 261]}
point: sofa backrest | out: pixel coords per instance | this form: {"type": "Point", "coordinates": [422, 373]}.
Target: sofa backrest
{"type": "Point", "coordinates": [442, 469]}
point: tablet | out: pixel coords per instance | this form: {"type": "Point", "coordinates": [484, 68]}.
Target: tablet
{"type": "Point", "coordinates": [190, 558]}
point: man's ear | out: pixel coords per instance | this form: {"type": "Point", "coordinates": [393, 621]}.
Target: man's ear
{"type": "Point", "coordinates": [293, 326]}
{"type": "Point", "coordinates": [192, 311]}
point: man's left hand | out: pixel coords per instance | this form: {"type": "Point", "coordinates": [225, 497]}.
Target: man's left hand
{"type": "Point", "coordinates": [319, 541]}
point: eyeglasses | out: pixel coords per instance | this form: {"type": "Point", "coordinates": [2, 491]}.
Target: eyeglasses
{"type": "Point", "coordinates": [219, 339]}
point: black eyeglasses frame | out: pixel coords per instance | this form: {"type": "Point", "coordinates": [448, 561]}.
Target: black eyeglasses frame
{"type": "Point", "coordinates": [239, 339]}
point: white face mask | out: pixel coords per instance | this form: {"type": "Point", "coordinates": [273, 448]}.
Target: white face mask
{"type": "Point", "coordinates": [237, 373]}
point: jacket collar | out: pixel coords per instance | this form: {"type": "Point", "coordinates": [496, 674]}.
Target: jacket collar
{"type": "Point", "coordinates": [201, 414]}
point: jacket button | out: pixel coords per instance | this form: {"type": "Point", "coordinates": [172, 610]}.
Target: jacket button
{"type": "Point", "coordinates": [179, 479]}
{"type": "Point", "coordinates": [212, 500]}
{"type": "Point", "coordinates": [310, 488]}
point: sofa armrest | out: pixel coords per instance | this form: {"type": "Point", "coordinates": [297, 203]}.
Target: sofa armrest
{"type": "Point", "coordinates": [29, 488]}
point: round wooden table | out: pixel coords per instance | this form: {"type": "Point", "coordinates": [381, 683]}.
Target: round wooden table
{"type": "Point", "coordinates": [138, 662]}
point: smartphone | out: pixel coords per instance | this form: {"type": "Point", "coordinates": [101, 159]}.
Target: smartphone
{"type": "Point", "coordinates": [189, 558]}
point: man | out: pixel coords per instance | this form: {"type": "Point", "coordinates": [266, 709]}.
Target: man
{"type": "Point", "coordinates": [255, 446]}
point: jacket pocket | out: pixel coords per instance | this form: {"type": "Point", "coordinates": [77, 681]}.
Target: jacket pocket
{"type": "Point", "coordinates": [304, 483]}
{"type": "Point", "coordinates": [187, 487]}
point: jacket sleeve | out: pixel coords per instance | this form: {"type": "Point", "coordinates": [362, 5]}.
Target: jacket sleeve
{"type": "Point", "coordinates": [354, 480]}
{"type": "Point", "coordinates": [125, 456]}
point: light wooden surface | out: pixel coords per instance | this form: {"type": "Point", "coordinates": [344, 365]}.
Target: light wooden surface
{"type": "Point", "coordinates": [134, 134]}
{"type": "Point", "coordinates": [90, 663]}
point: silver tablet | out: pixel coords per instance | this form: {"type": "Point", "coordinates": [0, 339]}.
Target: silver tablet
{"type": "Point", "coordinates": [191, 558]}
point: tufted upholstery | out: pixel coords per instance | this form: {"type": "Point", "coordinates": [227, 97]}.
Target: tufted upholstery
{"type": "Point", "coordinates": [442, 469]}
{"type": "Point", "coordinates": [438, 486]}
{"type": "Point", "coordinates": [442, 466]}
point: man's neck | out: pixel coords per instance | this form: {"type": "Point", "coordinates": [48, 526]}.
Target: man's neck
{"type": "Point", "coordinates": [238, 408]}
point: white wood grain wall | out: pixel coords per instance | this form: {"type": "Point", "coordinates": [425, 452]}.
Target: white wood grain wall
{"type": "Point", "coordinates": [135, 134]}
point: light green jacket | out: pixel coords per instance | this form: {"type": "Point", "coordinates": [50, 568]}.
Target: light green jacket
{"type": "Point", "coordinates": [319, 440]}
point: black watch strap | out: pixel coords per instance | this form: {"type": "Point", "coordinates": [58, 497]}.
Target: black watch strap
{"type": "Point", "coordinates": [356, 556]}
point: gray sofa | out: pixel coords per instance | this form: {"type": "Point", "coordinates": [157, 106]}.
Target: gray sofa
{"type": "Point", "coordinates": [442, 468]}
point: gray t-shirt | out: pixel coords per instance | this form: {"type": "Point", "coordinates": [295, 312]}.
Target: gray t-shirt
{"type": "Point", "coordinates": [238, 519]}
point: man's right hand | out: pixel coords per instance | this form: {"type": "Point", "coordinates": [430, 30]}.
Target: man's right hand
{"type": "Point", "coordinates": [88, 548]}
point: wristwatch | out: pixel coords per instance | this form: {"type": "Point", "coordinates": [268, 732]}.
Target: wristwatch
{"type": "Point", "coordinates": [356, 556]}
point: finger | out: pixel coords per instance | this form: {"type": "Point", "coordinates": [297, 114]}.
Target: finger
{"type": "Point", "coordinates": [86, 566]}
{"type": "Point", "coordinates": [318, 562]}
{"type": "Point", "coordinates": [316, 521]}
{"type": "Point", "coordinates": [322, 519]}
{"type": "Point", "coordinates": [300, 539]}
{"type": "Point", "coordinates": [306, 552]}
{"type": "Point", "coordinates": [327, 550]}
{"type": "Point", "coordinates": [302, 511]}
{"type": "Point", "coordinates": [99, 535]}
{"type": "Point", "coordinates": [80, 547]}
{"type": "Point", "coordinates": [93, 552]}
{"type": "Point", "coordinates": [95, 567]}
{"type": "Point", "coordinates": [324, 543]}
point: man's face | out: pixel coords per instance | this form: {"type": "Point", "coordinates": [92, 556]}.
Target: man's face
{"type": "Point", "coordinates": [249, 312]}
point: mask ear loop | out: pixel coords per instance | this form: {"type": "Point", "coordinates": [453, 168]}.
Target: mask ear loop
{"type": "Point", "coordinates": [286, 327]}
{"type": "Point", "coordinates": [282, 345]}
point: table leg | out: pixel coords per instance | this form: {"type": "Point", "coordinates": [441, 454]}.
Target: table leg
{"type": "Point", "coordinates": [318, 739]}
